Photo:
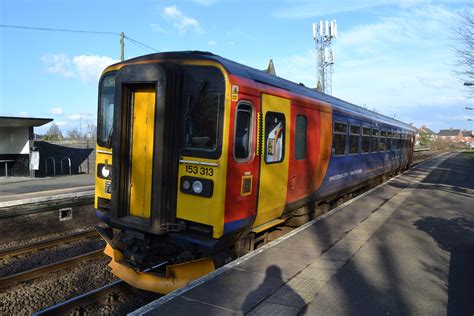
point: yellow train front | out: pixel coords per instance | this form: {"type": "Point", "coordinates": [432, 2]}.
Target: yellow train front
{"type": "Point", "coordinates": [197, 156]}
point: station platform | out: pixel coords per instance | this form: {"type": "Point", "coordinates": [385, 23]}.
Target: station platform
{"type": "Point", "coordinates": [17, 191]}
{"type": "Point", "coordinates": [31, 207]}
{"type": "Point", "coordinates": [404, 247]}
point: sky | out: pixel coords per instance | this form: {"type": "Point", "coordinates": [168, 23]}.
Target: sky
{"type": "Point", "coordinates": [395, 57]}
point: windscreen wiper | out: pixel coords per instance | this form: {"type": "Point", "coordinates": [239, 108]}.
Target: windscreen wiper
{"type": "Point", "coordinates": [196, 98]}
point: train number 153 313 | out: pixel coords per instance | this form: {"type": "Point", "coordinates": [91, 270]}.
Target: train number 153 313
{"type": "Point", "coordinates": [203, 171]}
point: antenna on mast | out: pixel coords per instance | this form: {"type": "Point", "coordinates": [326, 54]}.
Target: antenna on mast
{"type": "Point", "coordinates": [323, 34]}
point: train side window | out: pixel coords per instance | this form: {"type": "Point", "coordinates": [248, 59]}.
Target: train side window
{"type": "Point", "coordinates": [375, 140]}
{"type": "Point", "coordinates": [382, 142]}
{"type": "Point", "coordinates": [365, 140]}
{"type": "Point", "coordinates": [354, 139]}
{"type": "Point", "coordinates": [243, 132]}
{"type": "Point", "coordinates": [274, 137]}
{"type": "Point", "coordinates": [339, 139]}
{"type": "Point", "coordinates": [300, 137]}
{"type": "Point", "coordinates": [389, 140]}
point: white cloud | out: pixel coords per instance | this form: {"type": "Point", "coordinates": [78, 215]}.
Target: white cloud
{"type": "Point", "coordinates": [211, 43]}
{"type": "Point", "coordinates": [89, 67]}
{"type": "Point", "coordinates": [56, 111]}
{"type": "Point", "coordinates": [180, 21]}
{"type": "Point", "coordinates": [23, 114]}
{"type": "Point", "coordinates": [399, 64]}
{"type": "Point", "coordinates": [79, 116]}
{"type": "Point", "coordinates": [58, 63]}
{"type": "Point", "coordinates": [85, 67]}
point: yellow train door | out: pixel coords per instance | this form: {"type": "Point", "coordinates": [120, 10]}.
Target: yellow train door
{"type": "Point", "coordinates": [275, 158]}
{"type": "Point", "coordinates": [143, 121]}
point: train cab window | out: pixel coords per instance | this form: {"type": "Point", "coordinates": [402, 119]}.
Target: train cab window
{"type": "Point", "coordinates": [203, 109]}
{"type": "Point", "coordinates": [300, 137]}
{"type": "Point", "coordinates": [365, 146]}
{"type": "Point", "coordinates": [354, 139]}
{"type": "Point", "coordinates": [389, 140]}
{"type": "Point", "coordinates": [274, 137]}
{"type": "Point", "coordinates": [383, 140]}
{"type": "Point", "coordinates": [106, 111]}
{"type": "Point", "coordinates": [339, 139]}
{"type": "Point", "coordinates": [243, 132]}
{"type": "Point", "coordinates": [375, 140]}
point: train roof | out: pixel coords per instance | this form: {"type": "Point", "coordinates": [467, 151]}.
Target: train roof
{"type": "Point", "coordinates": [263, 77]}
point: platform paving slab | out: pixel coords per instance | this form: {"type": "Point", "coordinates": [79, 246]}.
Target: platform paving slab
{"type": "Point", "coordinates": [375, 261]}
{"type": "Point", "coordinates": [13, 188]}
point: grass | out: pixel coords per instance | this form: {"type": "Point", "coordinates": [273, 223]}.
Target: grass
{"type": "Point", "coordinates": [469, 152]}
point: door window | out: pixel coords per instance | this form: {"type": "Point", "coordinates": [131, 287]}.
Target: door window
{"type": "Point", "coordinates": [274, 137]}
{"type": "Point", "coordinates": [243, 132]}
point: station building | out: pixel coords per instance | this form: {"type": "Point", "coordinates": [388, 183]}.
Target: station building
{"type": "Point", "coordinates": [16, 143]}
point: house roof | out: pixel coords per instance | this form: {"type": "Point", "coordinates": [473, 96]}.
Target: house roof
{"type": "Point", "coordinates": [467, 134]}
{"type": "Point", "coordinates": [11, 121]}
{"type": "Point", "coordinates": [449, 132]}
{"type": "Point", "coordinates": [426, 130]}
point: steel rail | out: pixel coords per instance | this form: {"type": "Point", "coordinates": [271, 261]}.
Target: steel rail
{"type": "Point", "coordinates": [43, 270]}
{"type": "Point", "coordinates": [89, 298]}
{"type": "Point", "coordinates": [17, 250]}
{"type": "Point", "coordinates": [85, 299]}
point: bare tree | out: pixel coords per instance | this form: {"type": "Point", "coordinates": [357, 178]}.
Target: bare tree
{"type": "Point", "coordinates": [74, 134]}
{"type": "Point", "coordinates": [464, 32]}
{"type": "Point", "coordinates": [53, 133]}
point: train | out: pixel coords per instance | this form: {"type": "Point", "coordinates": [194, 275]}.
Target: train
{"type": "Point", "coordinates": [198, 157]}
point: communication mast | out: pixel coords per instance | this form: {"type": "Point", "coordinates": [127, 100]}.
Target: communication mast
{"type": "Point", "coordinates": [323, 34]}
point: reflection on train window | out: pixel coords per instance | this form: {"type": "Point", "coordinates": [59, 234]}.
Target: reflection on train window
{"type": "Point", "coordinates": [106, 111]}
{"type": "Point", "coordinates": [201, 122]}
{"type": "Point", "coordinates": [202, 111]}
{"type": "Point", "coordinates": [274, 137]}
{"type": "Point", "coordinates": [375, 140]}
{"type": "Point", "coordinates": [243, 132]}
{"type": "Point", "coordinates": [382, 143]}
{"type": "Point", "coordinates": [339, 139]}
{"type": "Point", "coordinates": [389, 140]}
{"type": "Point", "coordinates": [300, 137]}
{"type": "Point", "coordinates": [365, 140]}
{"type": "Point", "coordinates": [354, 139]}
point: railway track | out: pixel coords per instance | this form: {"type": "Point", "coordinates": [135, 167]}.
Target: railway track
{"type": "Point", "coordinates": [14, 251]}
{"type": "Point", "coordinates": [47, 269]}
{"type": "Point", "coordinates": [82, 301]}
{"type": "Point", "coordinates": [104, 294]}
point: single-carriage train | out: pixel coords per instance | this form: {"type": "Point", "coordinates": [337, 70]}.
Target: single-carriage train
{"type": "Point", "coordinates": [198, 156]}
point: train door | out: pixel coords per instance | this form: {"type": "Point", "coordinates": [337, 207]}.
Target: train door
{"type": "Point", "coordinates": [274, 159]}
{"type": "Point", "coordinates": [143, 107]}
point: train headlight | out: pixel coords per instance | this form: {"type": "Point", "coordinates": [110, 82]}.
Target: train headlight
{"type": "Point", "coordinates": [197, 187]}
{"type": "Point", "coordinates": [186, 185]}
{"type": "Point", "coordinates": [105, 172]}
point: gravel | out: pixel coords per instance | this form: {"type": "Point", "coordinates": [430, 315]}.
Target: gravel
{"type": "Point", "coordinates": [44, 237]}
{"type": "Point", "coordinates": [27, 261]}
{"type": "Point", "coordinates": [29, 297]}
